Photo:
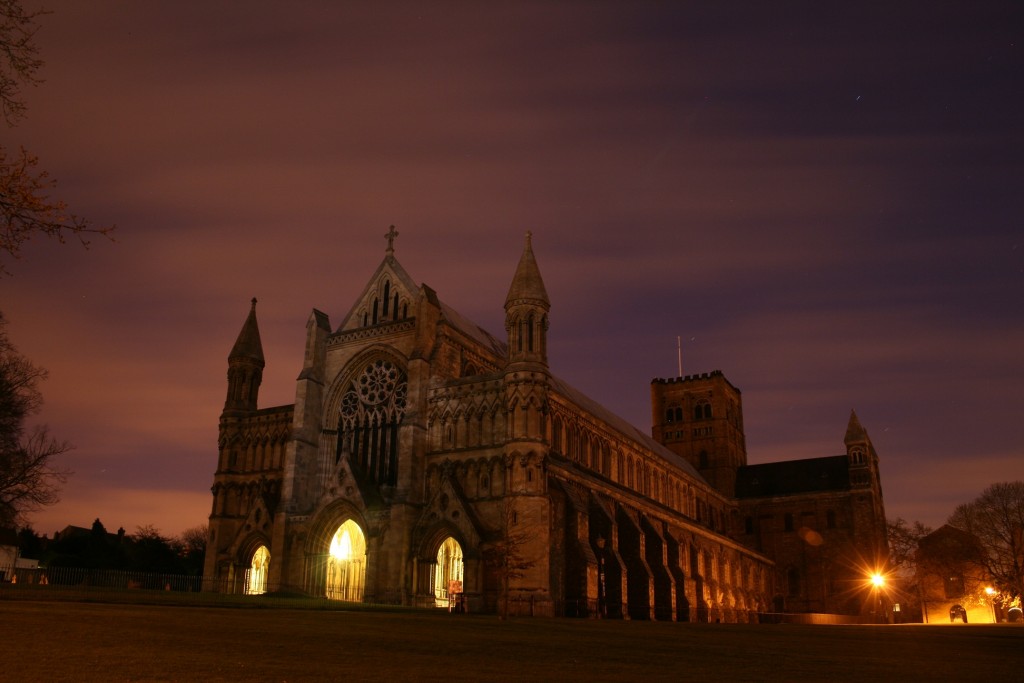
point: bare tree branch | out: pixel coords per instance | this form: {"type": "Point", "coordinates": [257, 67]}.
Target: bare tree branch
{"type": "Point", "coordinates": [26, 208]}
{"type": "Point", "coordinates": [20, 54]}
{"type": "Point", "coordinates": [996, 519]}
{"type": "Point", "coordinates": [29, 480]}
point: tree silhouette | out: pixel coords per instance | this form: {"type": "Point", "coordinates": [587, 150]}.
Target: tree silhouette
{"type": "Point", "coordinates": [996, 519]}
{"type": "Point", "coordinates": [26, 208]}
{"type": "Point", "coordinates": [29, 480]}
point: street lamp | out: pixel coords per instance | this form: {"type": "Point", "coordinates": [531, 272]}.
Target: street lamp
{"type": "Point", "coordinates": [877, 584]}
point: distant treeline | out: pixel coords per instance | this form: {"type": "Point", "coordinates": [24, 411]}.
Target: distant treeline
{"type": "Point", "coordinates": [146, 550]}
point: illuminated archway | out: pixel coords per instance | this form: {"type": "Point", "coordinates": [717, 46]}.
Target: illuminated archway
{"type": "Point", "coordinates": [256, 575]}
{"type": "Point", "coordinates": [448, 572]}
{"type": "Point", "coordinates": [346, 563]}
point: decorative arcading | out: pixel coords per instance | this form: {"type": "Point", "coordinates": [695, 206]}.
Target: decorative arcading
{"type": "Point", "coordinates": [391, 327]}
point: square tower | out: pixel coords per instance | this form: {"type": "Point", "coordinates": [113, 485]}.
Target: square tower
{"type": "Point", "coordinates": [700, 417]}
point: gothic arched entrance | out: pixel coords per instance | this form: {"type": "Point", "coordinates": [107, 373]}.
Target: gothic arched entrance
{"type": "Point", "coordinates": [256, 574]}
{"type": "Point", "coordinates": [448, 573]}
{"type": "Point", "coordinates": [346, 563]}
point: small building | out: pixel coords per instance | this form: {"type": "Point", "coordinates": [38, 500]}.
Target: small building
{"type": "Point", "coordinates": [955, 588]}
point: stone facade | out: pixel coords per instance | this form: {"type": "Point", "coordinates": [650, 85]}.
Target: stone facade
{"type": "Point", "coordinates": [427, 462]}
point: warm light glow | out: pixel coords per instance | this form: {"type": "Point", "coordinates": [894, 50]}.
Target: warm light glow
{"type": "Point", "coordinates": [341, 545]}
{"type": "Point", "coordinates": [346, 563]}
{"type": "Point", "coordinates": [448, 573]}
{"type": "Point", "coordinates": [877, 580]}
{"type": "Point", "coordinates": [990, 591]}
{"type": "Point", "coordinates": [256, 581]}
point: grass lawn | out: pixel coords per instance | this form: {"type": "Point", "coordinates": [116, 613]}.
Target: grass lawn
{"type": "Point", "coordinates": [69, 641]}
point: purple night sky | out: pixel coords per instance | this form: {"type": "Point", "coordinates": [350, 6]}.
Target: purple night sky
{"type": "Point", "coordinates": [824, 200]}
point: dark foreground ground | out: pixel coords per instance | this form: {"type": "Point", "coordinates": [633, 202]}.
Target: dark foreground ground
{"type": "Point", "coordinates": [62, 641]}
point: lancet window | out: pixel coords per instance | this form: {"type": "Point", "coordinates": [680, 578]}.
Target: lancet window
{"type": "Point", "coordinates": [371, 412]}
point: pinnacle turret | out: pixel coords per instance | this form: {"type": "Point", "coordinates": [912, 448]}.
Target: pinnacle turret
{"type": "Point", "coordinates": [855, 432]}
{"type": "Point", "coordinates": [527, 284]}
{"type": "Point", "coordinates": [245, 366]}
{"type": "Point", "coordinates": [248, 344]}
{"type": "Point", "coordinates": [526, 312]}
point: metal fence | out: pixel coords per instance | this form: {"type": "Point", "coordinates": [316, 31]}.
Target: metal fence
{"type": "Point", "coordinates": [107, 585]}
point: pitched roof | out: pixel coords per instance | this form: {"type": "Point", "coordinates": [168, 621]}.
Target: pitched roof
{"type": "Point", "coordinates": [792, 477]}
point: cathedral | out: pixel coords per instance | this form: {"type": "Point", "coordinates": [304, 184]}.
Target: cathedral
{"type": "Point", "coordinates": [426, 462]}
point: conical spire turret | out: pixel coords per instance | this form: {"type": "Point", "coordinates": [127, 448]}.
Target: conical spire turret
{"type": "Point", "coordinates": [245, 366]}
{"type": "Point", "coordinates": [527, 284]}
{"type": "Point", "coordinates": [855, 432]}
{"type": "Point", "coordinates": [248, 344]}
{"type": "Point", "coordinates": [526, 312]}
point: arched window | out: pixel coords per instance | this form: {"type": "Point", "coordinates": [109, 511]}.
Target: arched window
{"type": "Point", "coordinates": [346, 563]}
{"type": "Point", "coordinates": [679, 414]}
{"type": "Point", "coordinates": [387, 297]}
{"type": "Point", "coordinates": [448, 573]}
{"type": "Point", "coordinates": [371, 413]}
{"type": "Point", "coordinates": [375, 305]}
{"type": "Point", "coordinates": [259, 569]}
{"type": "Point", "coordinates": [669, 416]}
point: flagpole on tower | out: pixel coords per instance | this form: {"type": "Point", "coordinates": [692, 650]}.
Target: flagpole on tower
{"type": "Point", "coordinates": [679, 354]}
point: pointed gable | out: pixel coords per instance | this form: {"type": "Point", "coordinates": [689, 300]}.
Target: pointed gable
{"type": "Point", "coordinates": [390, 294]}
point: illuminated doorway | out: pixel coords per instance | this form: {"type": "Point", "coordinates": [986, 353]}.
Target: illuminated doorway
{"type": "Point", "coordinates": [256, 576]}
{"type": "Point", "coordinates": [448, 573]}
{"type": "Point", "coordinates": [346, 563]}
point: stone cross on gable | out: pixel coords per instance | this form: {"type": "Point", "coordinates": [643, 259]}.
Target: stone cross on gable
{"type": "Point", "coordinates": [391, 235]}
